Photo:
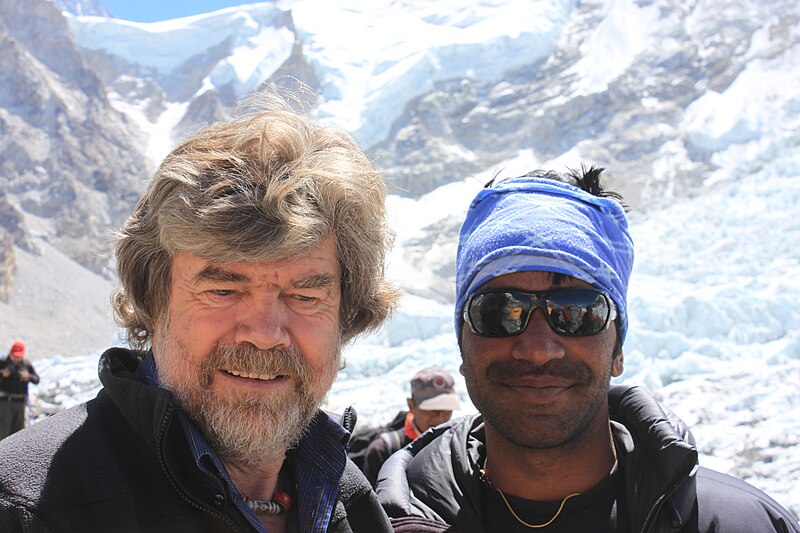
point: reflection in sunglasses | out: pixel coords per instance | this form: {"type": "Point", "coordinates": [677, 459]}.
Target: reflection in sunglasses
{"type": "Point", "coordinates": [568, 311]}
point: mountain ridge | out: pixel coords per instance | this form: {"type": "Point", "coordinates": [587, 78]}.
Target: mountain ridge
{"type": "Point", "coordinates": [641, 88]}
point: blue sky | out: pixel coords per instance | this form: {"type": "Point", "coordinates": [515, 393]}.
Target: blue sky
{"type": "Point", "coordinates": [153, 10]}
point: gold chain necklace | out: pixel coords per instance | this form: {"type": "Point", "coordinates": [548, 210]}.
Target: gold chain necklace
{"type": "Point", "coordinates": [537, 526]}
{"type": "Point", "coordinates": [485, 478]}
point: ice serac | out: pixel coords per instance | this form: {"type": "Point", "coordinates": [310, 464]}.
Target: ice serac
{"type": "Point", "coordinates": [443, 90]}
{"type": "Point", "coordinates": [615, 90]}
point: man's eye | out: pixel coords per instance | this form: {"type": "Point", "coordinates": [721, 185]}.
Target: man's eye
{"type": "Point", "coordinates": [304, 298]}
{"type": "Point", "coordinates": [221, 292]}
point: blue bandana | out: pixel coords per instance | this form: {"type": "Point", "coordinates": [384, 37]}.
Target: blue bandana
{"type": "Point", "coordinates": [528, 223]}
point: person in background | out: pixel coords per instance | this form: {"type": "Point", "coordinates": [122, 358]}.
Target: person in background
{"type": "Point", "coordinates": [541, 316]}
{"type": "Point", "coordinates": [432, 402]}
{"type": "Point", "coordinates": [16, 373]}
{"type": "Point", "coordinates": [256, 252]}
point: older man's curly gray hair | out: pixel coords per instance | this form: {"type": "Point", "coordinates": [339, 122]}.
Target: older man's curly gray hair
{"type": "Point", "coordinates": [266, 186]}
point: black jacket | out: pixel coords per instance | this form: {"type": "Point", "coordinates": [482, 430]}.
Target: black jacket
{"type": "Point", "coordinates": [381, 448]}
{"type": "Point", "coordinates": [13, 385]}
{"type": "Point", "coordinates": [120, 462]}
{"type": "Point", "coordinates": [434, 482]}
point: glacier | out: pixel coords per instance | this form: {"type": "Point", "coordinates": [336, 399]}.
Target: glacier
{"type": "Point", "coordinates": [363, 88]}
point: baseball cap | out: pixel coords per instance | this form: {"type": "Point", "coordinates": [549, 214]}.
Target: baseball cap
{"type": "Point", "coordinates": [18, 348]}
{"type": "Point", "coordinates": [432, 390]}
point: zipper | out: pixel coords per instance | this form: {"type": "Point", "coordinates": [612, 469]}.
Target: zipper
{"type": "Point", "coordinates": [160, 455]}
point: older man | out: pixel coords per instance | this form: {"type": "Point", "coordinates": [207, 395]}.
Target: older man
{"type": "Point", "coordinates": [256, 251]}
{"type": "Point", "coordinates": [541, 315]}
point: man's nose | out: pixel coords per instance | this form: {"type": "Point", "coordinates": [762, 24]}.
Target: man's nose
{"type": "Point", "coordinates": [538, 343]}
{"type": "Point", "coordinates": [262, 322]}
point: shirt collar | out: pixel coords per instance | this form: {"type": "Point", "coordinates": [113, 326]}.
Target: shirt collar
{"type": "Point", "coordinates": [318, 465]}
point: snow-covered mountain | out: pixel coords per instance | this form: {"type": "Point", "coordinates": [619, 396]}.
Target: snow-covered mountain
{"type": "Point", "coordinates": [447, 89]}
{"type": "Point", "coordinates": [692, 105]}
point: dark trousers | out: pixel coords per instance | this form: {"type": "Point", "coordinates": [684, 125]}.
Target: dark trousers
{"type": "Point", "coordinates": [12, 416]}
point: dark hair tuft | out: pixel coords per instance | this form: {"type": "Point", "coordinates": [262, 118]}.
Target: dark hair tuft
{"type": "Point", "coordinates": [589, 181]}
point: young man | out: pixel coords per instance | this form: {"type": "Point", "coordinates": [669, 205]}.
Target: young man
{"type": "Point", "coordinates": [257, 251]}
{"type": "Point", "coordinates": [541, 315]}
{"type": "Point", "coordinates": [15, 374]}
{"type": "Point", "coordinates": [432, 402]}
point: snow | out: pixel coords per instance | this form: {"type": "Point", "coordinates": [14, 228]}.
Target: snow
{"type": "Point", "coordinates": [254, 61]}
{"type": "Point", "coordinates": [159, 133]}
{"type": "Point", "coordinates": [167, 45]}
{"type": "Point", "coordinates": [618, 39]}
{"type": "Point", "coordinates": [364, 86]}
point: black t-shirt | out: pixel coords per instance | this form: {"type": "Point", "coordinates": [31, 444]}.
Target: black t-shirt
{"type": "Point", "coordinates": [598, 510]}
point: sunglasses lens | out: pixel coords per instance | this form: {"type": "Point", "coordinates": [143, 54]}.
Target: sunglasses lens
{"type": "Point", "coordinates": [498, 314]}
{"type": "Point", "coordinates": [571, 312]}
{"type": "Point", "coordinates": [577, 312]}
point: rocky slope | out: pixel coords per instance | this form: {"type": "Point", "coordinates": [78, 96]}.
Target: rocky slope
{"type": "Point", "coordinates": [70, 169]}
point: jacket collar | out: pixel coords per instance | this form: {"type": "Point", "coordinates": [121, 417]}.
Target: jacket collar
{"type": "Point", "coordinates": [148, 409]}
{"type": "Point", "coordinates": [659, 456]}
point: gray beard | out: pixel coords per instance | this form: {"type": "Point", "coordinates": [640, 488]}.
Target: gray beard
{"type": "Point", "coordinates": [248, 430]}
{"type": "Point", "coordinates": [250, 433]}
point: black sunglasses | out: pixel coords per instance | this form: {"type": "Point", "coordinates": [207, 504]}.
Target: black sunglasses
{"type": "Point", "coordinates": [573, 312]}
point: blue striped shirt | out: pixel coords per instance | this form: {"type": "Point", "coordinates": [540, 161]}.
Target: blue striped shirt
{"type": "Point", "coordinates": [318, 462]}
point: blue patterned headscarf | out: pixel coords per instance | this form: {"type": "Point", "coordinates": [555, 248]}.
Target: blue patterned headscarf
{"type": "Point", "coordinates": [530, 223]}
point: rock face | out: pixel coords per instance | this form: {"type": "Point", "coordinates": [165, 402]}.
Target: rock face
{"type": "Point", "coordinates": [202, 110]}
{"type": "Point", "coordinates": [464, 127]}
{"type": "Point", "coordinates": [67, 156]}
{"type": "Point", "coordinates": [603, 93]}
{"type": "Point", "coordinates": [200, 67]}
{"type": "Point", "coordinates": [70, 171]}
{"type": "Point", "coordinates": [8, 266]}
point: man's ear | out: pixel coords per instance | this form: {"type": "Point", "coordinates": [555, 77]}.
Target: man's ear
{"type": "Point", "coordinates": [618, 364]}
{"type": "Point", "coordinates": [410, 404]}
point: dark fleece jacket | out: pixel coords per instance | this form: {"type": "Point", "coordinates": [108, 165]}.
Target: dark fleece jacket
{"type": "Point", "coordinates": [121, 463]}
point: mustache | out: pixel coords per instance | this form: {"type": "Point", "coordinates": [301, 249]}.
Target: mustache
{"type": "Point", "coordinates": [247, 358]}
{"type": "Point", "coordinates": [570, 370]}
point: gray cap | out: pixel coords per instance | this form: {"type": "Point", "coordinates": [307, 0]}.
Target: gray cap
{"type": "Point", "coordinates": [432, 390]}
